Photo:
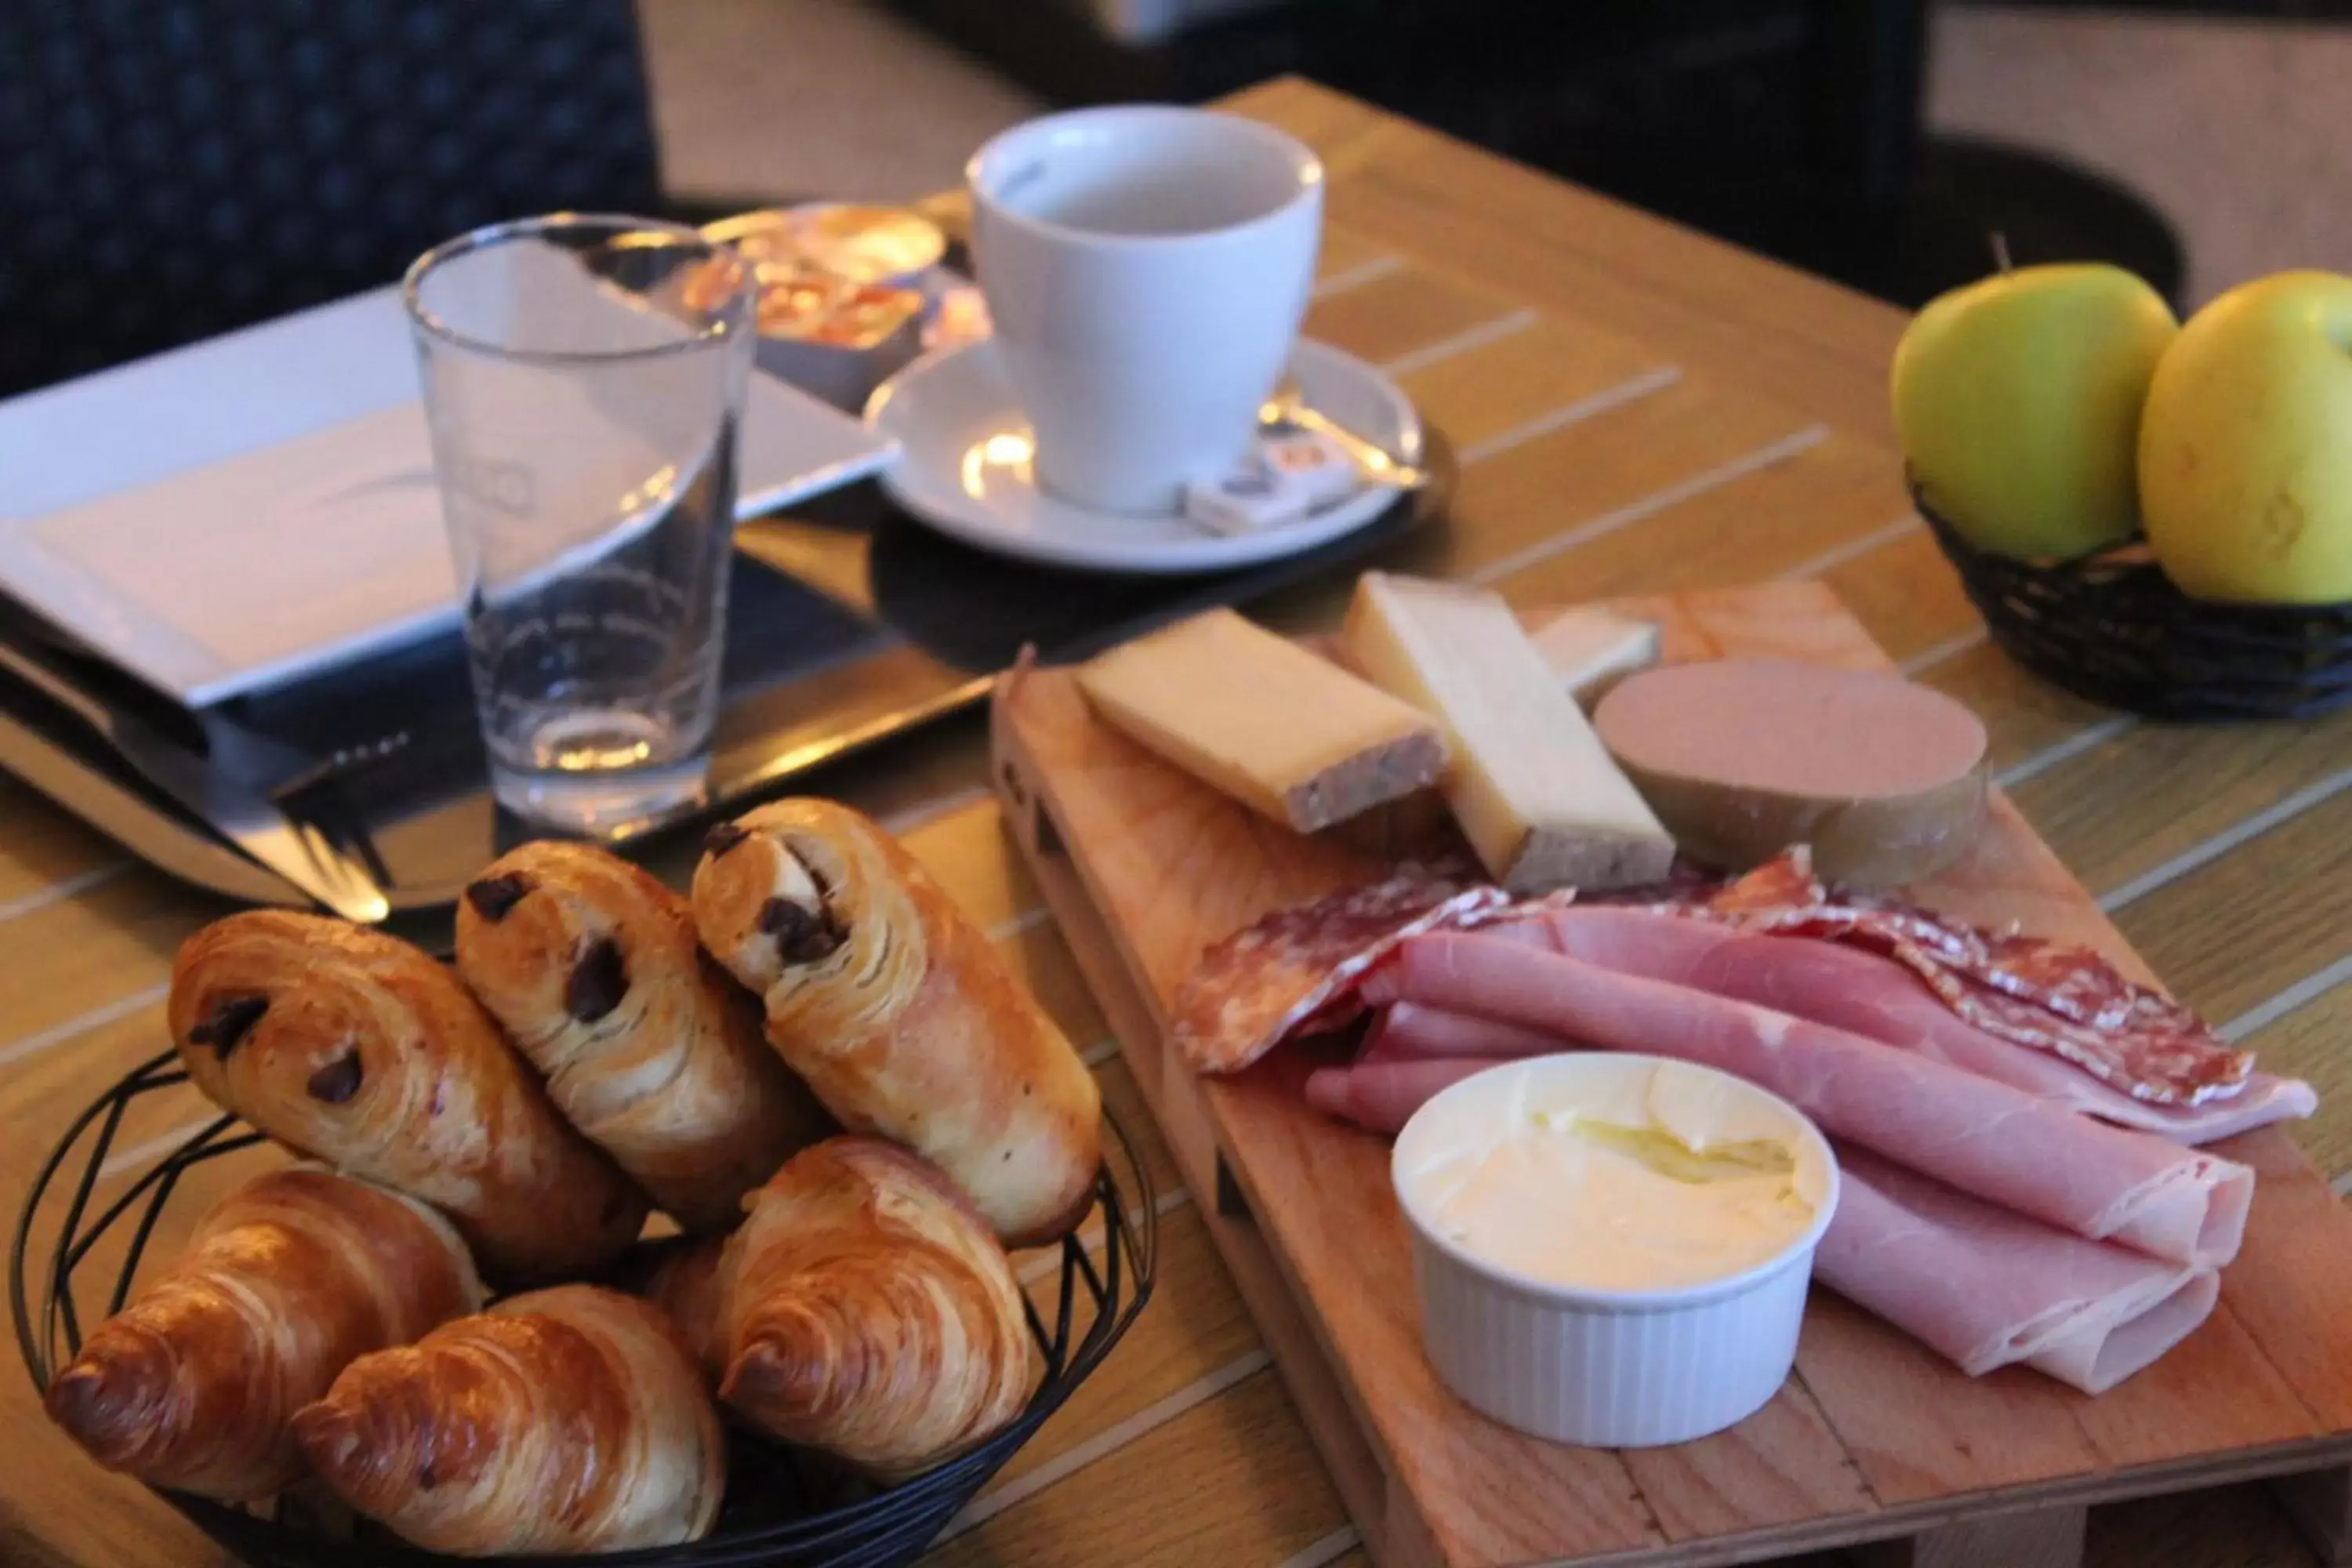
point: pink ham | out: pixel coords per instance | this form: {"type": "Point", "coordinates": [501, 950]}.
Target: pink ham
{"type": "Point", "coordinates": [1983, 1137]}
{"type": "Point", "coordinates": [1853, 989]}
{"type": "Point", "coordinates": [2088, 1313]}
{"type": "Point", "coordinates": [2051, 996]}
{"type": "Point", "coordinates": [1383, 1095]}
{"type": "Point", "coordinates": [1408, 1031]}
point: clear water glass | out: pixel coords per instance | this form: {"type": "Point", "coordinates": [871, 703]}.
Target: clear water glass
{"type": "Point", "coordinates": [583, 383]}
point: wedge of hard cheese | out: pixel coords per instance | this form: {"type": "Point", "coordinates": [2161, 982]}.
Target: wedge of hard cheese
{"type": "Point", "coordinates": [1530, 783]}
{"type": "Point", "coordinates": [1288, 733]}
{"type": "Point", "coordinates": [1591, 651]}
{"type": "Point", "coordinates": [1588, 651]}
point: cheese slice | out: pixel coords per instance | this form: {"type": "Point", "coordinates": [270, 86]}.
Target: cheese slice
{"type": "Point", "coordinates": [1288, 733]}
{"type": "Point", "coordinates": [1531, 785]}
{"type": "Point", "coordinates": [1589, 650]}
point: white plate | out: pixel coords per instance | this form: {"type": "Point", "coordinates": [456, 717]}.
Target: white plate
{"type": "Point", "coordinates": [241, 512]}
{"type": "Point", "coordinates": [963, 468]}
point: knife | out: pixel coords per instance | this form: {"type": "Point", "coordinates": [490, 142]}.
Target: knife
{"type": "Point", "coordinates": [297, 851]}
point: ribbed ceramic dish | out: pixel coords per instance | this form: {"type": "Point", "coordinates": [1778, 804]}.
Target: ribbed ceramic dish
{"type": "Point", "coordinates": [1615, 1369]}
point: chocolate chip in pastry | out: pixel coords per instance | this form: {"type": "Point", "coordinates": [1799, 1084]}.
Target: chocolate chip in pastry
{"type": "Point", "coordinates": [591, 966]}
{"type": "Point", "coordinates": [354, 1047]}
{"type": "Point", "coordinates": [898, 1012]}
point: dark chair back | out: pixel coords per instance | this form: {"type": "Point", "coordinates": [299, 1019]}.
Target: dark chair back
{"type": "Point", "coordinates": [174, 168]}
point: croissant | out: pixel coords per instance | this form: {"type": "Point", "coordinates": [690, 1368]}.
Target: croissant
{"type": "Point", "coordinates": [567, 1420]}
{"type": "Point", "coordinates": [649, 1048]}
{"type": "Point", "coordinates": [898, 1012]}
{"type": "Point", "coordinates": [868, 1311]}
{"type": "Point", "coordinates": [686, 1282]}
{"type": "Point", "coordinates": [286, 1281]}
{"type": "Point", "coordinates": [358, 1049]}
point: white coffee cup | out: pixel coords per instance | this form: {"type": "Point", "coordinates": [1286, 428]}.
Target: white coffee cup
{"type": "Point", "coordinates": [1146, 269]}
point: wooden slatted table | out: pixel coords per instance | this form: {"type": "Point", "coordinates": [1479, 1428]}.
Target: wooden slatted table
{"type": "Point", "coordinates": [1636, 409]}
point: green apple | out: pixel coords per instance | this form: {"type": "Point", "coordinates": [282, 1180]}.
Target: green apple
{"type": "Point", "coordinates": [2245, 453]}
{"type": "Point", "coordinates": [2017, 402]}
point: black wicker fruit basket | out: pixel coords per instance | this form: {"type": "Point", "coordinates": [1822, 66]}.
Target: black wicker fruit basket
{"type": "Point", "coordinates": [76, 1256]}
{"type": "Point", "coordinates": [2113, 628]}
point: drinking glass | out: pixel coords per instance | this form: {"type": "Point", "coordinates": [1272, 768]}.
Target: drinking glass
{"type": "Point", "coordinates": [584, 380]}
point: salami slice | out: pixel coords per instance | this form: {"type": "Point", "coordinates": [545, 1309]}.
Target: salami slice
{"type": "Point", "coordinates": [2054, 996]}
{"type": "Point", "coordinates": [1294, 972]}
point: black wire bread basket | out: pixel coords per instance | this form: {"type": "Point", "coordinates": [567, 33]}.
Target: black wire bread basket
{"type": "Point", "coordinates": [783, 1507]}
{"type": "Point", "coordinates": [2113, 628]}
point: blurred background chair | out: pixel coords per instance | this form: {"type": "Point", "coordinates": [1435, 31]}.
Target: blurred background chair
{"type": "Point", "coordinates": [1793, 127]}
{"type": "Point", "coordinates": [174, 168]}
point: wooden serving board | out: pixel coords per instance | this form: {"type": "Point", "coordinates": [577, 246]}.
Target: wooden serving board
{"type": "Point", "coordinates": [1874, 1440]}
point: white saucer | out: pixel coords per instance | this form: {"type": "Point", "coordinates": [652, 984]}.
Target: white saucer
{"type": "Point", "coordinates": [963, 468]}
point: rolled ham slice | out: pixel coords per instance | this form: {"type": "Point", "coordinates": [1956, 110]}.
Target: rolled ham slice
{"type": "Point", "coordinates": [2088, 1313]}
{"type": "Point", "coordinates": [1384, 1095]}
{"type": "Point", "coordinates": [1983, 1137]}
{"type": "Point", "coordinates": [1850, 989]}
{"type": "Point", "coordinates": [1407, 1031]}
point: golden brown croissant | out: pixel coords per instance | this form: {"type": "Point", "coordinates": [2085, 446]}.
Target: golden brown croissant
{"type": "Point", "coordinates": [287, 1281]}
{"type": "Point", "coordinates": [895, 1010]}
{"type": "Point", "coordinates": [686, 1282]}
{"type": "Point", "coordinates": [870, 1312]}
{"type": "Point", "coordinates": [647, 1047]}
{"type": "Point", "coordinates": [358, 1049]}
{"type": "Point", "coordinates": [567, 1420]}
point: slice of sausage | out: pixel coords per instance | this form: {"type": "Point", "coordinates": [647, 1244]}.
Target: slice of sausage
{"type": "Point", "coordinates": [1743, 758]}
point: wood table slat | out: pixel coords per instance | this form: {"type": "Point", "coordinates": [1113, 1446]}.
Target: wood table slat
{"type": "Point", "coordinates": [2124, 809]}
{"type": "Point", "coordinates": [1551, 365]}
{"type": "Point", "coordinates": [1906, 592]}
{"type": "Point", "coordinates": [1345, 251]}
{"type": "Point", "coordinates": [2309, 1042]}
{"type": "Point", "coordinates": [42, 847]}
{"type": "Point", "coordinates": [1556, 489]}
{"type": "Point", "coordinates": [967, 852]}
{"type": "Point", "coordinates": [91, 951]}
{"type": "Point", "coordinates": [1815, 500]}
{"type": "Point", "coordinates": [2233, 932]}
{"type": "Point", "coordinates": [2024, 717]}
{"type": "Point", "coordinates": [1195, 1327]}
{"type": "Point", "coordinates": [1400, 312]}
{"type": "Point", "coordinates": [1230, 1481]}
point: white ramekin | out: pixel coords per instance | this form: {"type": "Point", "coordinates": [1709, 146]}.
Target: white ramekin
{"type": "Point", "coordinates": [1605, 1368]}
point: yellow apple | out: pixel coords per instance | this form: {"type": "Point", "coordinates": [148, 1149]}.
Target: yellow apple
{"type": "Point", "coordinates": [2018, 399]}
{"type": "Point", "coordinates": [2246, 455]}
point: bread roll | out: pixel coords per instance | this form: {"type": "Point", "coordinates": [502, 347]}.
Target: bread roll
{"type": "Point", "coordinates": [358, 1049]}
{"type": "Point", "coordinates": [895, 1010]}
{"type": "Point", "coordinates": [286, 1281]}
{"type": "Point", "coordinates": [688, 1283]}
{"type": "Point", "coordinates": [649, 1048]}
{"type": "Point", "coordinates": [568, 1420]}
{"type": "Point", "coordinates": [866, 1310]}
